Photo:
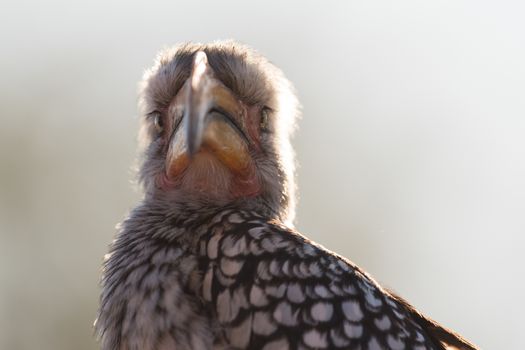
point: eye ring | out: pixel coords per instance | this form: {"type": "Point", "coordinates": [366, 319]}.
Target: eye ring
{"type": "Point", "coordinates": [265, 119]}
{"type": "Point", "coordinates": [158, 123]}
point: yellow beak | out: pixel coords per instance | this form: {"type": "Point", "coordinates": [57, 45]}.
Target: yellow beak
{"type": "Point", "coordinates": [213, 121]}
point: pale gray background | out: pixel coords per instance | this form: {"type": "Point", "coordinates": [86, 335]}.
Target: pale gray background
{"type": "Point", "coordinates": [411, 148]}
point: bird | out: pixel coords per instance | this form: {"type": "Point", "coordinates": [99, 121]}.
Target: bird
{"type": "Point", "coordinates": [209, 258]}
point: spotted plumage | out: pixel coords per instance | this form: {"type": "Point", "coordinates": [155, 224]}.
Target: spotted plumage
{"type": "Point", "coordinates": [196, 267]}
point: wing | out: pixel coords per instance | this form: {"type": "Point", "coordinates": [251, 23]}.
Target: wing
{"type": "Point", "coordinates": [271, 288]}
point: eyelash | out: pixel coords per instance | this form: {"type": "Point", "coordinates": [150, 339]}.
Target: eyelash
{"type": "Point", "coordinates": [265, 123]}
{"type": "Point", "coordinates": [157, 121]}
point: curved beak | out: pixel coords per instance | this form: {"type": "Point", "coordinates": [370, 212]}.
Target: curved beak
{"type": "Point", "coordinates": [213, 121]}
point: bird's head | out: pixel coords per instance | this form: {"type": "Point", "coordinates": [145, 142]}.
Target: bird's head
{"type": "Point", "coordinates": [216, 126]}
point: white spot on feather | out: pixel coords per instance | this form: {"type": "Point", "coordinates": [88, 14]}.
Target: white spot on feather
{"type": "Point", "coordinates": [394, 343]}
{"type": "Point", "coordinates": [315, 269]}
{"type": "Point", "coordinates": [383, 323]}
{"type": "Point", "coordinates": [231, 267]}
{"type": "Point", "coordinates": [235, 218]}
{"type": "Point", "coordinates": [268, 245]}
{"type": "Point", "coordinates": [284, 315]}
{"type": "Point", "coordinates": [286, 268]}
{"type": "Point", "coordinates": [309, 250]}
{"type": "Point", "coordinates": [322, 291]}
{"type": "Point", "coordinates": [419, 337]}
{"type": "Point", "coordinates": [373, 344]}
{"type": "Point", "coordinates": [206, 284]}
{"type": "Point", "coordinates": [344, 265]}
{"type": "Point", "coordinates": [256, 232]}
{"type": "Point", "coordinates": [262, 271]}
{"type": "Point", "coordinates": [295, 293]}
{"type": "Point", "coordinates": [239, 296]}
{"type": "Point", "coordinates": [350, 289]}
{"type": "Point", "coordinates": [372, 300]}
{"type": "Point", "coordinates": [276, 291]}
{"type": "Point", "coordinates": [353, 331]}
{"type": "Point", "coordinates": [352, 310]}
{"type": "Point", "coordinates": [226, 309]}
{"type": "Point", "coordinates": [213, 246]}
{"type": "Point", "coordinates": [322, 311]}
{"type": "Point", "coordinates": [262, 324]}
{"type": "Point", "coordinates": [315, 339]}
{"type": "Point", "coordinates": [232, 247]}
{"type": "Point", "coordinates": [255, 248]}
{"type": "Point", "coordinates": [336, 289]}
{"type": "Point", "coordinates": [257, 296]}
{"type": "Point", "coordinates": [275, 268]}
{"type": "Point", "coordinates": [337, 339]}
{"type": "Point", "coordinates": [240, 335]}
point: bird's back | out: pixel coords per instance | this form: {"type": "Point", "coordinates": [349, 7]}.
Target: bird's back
{"type": "Point", "coordinates": [238, 280]}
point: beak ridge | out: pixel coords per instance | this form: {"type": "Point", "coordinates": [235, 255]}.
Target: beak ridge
{"type": "Point", "coordinates": [199, 100]}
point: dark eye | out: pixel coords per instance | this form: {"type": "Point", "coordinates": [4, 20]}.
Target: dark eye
{"type": "Point", "coordinates": [265, 119]}
{"type": "Point", "coordinates": [158, 123]}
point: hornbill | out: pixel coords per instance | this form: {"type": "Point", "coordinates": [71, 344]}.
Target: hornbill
{"type": "Point", "coordinates": [209, 258]}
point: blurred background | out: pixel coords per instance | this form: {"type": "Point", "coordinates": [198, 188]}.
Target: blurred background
{"type": "Point", "coordinates": [411, 148]}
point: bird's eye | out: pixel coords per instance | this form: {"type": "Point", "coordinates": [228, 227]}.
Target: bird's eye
{"type": "Point", "coordinates": [265, 122]}
{"type": "Point", "coordinates": [158, 123]}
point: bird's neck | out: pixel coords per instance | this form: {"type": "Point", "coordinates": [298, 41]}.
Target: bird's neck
{"type": "Point", "coordinates": [183, 226]}
{"type": "Point", "coordinates": [194, 209]}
